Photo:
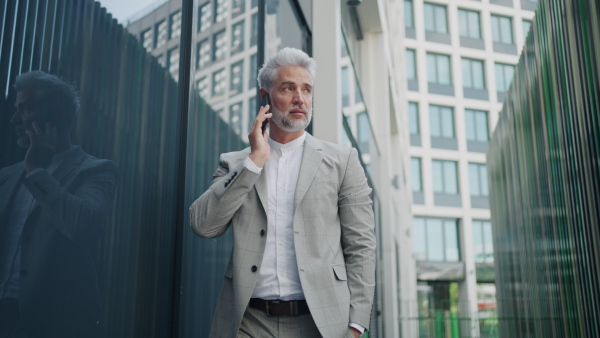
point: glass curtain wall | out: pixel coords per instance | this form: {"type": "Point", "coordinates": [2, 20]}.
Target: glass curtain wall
{"type": "Point", "coordinates": [96, 255]}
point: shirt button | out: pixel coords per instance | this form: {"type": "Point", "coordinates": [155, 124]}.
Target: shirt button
{"type": "Point", "coordinates": [279, 214]}
{"type": "Point", "coordinates": [262, 232]}
{"type": "Point", "coordinates": [254, 268]}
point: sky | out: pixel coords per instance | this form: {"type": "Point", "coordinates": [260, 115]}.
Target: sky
{"type": "Point", "coordinates": [124, 9]}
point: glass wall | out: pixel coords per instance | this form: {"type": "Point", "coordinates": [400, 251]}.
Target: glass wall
{"type": "Point", "coordinates": [94, 252]}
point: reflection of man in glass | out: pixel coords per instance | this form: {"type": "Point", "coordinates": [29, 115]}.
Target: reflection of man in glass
{"type": "Point", "coordinates": [303, 260]}
{"type": "Point", "coordinates": [53, 206]}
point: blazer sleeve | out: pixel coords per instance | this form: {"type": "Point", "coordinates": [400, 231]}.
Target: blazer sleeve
{"type": "Point", "coordinates": [358, 239]}
{"type": "Point", "coordinates": [82, 211]}
{"type": "Point", "coordinates": [211, 213]}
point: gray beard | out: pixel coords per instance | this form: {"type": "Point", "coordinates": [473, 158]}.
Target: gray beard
{"type": "Point", "coordinates": [284, 122]}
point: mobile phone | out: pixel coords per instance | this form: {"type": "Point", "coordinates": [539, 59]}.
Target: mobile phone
{"type": "Point", "coordinates": [266, 100]}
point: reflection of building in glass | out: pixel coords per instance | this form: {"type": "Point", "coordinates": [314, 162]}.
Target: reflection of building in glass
{"type": "Point", "coordinates": [543, 170]}
{"type": "Point", "coordinates": [459, 59]}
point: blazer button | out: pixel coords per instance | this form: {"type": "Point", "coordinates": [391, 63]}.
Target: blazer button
{"type": "Point", "coordinates": [254, 268]}
{"type": "Point", "coordinates": [262, 232]}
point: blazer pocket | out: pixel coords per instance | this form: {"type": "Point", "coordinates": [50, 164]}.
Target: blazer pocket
{"type": "Point", "coordinates": [229, 271]}
{"type": "Point", "coordinates": [340, 272]}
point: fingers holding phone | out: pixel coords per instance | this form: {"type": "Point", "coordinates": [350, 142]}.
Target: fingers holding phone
{"type": "Point", "coordinates": [258, 137]}
{"type": "Point", "coordinates": [42, 146]}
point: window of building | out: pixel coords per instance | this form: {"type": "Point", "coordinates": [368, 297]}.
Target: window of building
{"type": "Point", "coordinates": [483, 244]}
{"type": "Point", "coordinates": [202, 87]}
{"type": "Point", "coordinates": [476, 122]}
{"type": "Point", "coordinates": [219, 48]}
{"type": "Point", "coordinates": [415, 174]}
{"type": "Point", "coordinates": [204, 17]}
{"type": "Point", "coordinates": [237, 37]}
{"type": "Point", "coordinates": [469, 24]}
{"type": "Point", "coordinates": [413, 118]}
{"type": "Point", "coordinates": [220, 10]}
{"type": "Point", "coordinates": [160, 33]}
{"type": "Point", "coordinates": [254, 30]}
{"type": "Point", "coordinates": [526, 26]}
{"type": "Point", "coordinates": [203, 54]}
{"type": "Point", "coordinates": [435, 239]}
{"type": "Point", "coordinates": [345, 87]}
{"type": "Point", "coordinates": [173, 61]}
{"type": "Point", "coordinates": [253, 72]}
{"type": "Point", "coordinates": [472, 73]}
{"type": "Point", "coordinates": [219, 83]}
{"type": "Point", "coordinates": [435, 18]}
{"type": "Point", "coordinates": [478, 180]}
{"type": "Point", "coordinates": [445, 178]}
{"type": "Point", "coordinates": [237, 7]}
{"type": "Point", "coordinates": [175, 25]}
{"type": "Point", "coordinates": [357, 93]}
{"type": "Point", "coordinates": [504, 75]}
{"type": "Point", "coordinates": [408, 14]}
{"type": "Point", "coordinates": [362, 132]}
{"type": "Point", "coordinates": [235, 117]}
{"type": "Point", "coordinates": [441, 121]}
{"type": "Point", "coordinates": [147, 39]}
{"type": "Point", "coordinates": [502, 29]}
{"type": "Point", "coordinates": [411, 65]}
{"type": "Point", "coordinates": [236, 78]}
{"type": "Point", "coordinates": [254, 3]}
{"type": "Point", "coordinates": [438, 69]}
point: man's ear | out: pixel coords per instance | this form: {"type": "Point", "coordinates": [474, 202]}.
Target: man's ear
{"type": "Point", "coordinates": [263, 91]}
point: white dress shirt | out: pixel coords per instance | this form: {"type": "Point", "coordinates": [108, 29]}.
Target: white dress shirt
{"type": "Point", "coordinates": [278, 277]}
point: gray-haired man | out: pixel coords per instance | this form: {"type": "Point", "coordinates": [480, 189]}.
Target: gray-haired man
{"type": "Point", "coordinates": [303, 260]}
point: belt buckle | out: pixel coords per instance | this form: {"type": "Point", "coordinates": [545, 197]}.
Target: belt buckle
{"type": "Point", "coordinates": [271, 301]}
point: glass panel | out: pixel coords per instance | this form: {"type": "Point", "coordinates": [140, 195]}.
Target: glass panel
{"type": "Point", "coordinates": [450, 178]}
{"type": "Point", "coordinates": [237, 7]}
{"type": "Point", "coordinates": [447, 122]}
{"type": "Point", "coordinates": [410, 65]}
{"type": "Point", "coordinates": [235, 117]}
{"type": "Point", "coordinates": [509, 71]}
{"type": "Point", "coordinates": [481, 126]}
{"type": "Point", "coordinates": [526, 27]}
{"type": "Point", "coordinates": [221, 10]}
{"type": "Point", "coordinates": [474, 24]}
{"type": "Point", "coordinates": [506, 30]}
{"type": "Point", "coordinates": [440, 19]}
{"type": "Point", "coordinates": [204, 17]}
{"type": "Point", "coordinates": [443, 68]}
{"type": "Point", "coordinates": [470, 124]}
{"type": "Point", "coordinates": [413, 117]}
{"type": "Point", "coordinates": [236, 78]}
{"type": "Point", "coordinates": [488, 242]}
{"type": "Point", "coordinates": [429, 17]}
{"type": "Point", "coordinates": [466, 73]}
{"type": "Point", "coordinates": [237, 37]}
{"type": "Point", "coordinates": [483, 180]}
{"type": "Point", "coordinates": [478, 246]}
{"type": "Point", "coordinates": [345, 87]}
{"type": "Point", "coordinates": [478, 77]}
{"type": "Point", "coordinates": [438, 176]}
{"type": "Point", "coordinates": [408, 14]}
{"type": "Point", "coordinates": [435, 123]}
{"type": "Point", "coordinates": [254, 31]}
{"type": "Point", "coordinates": [451, 239]}
{"type": "Point", "coordinates": [218, 82]}
{"type": "Point", "coordinates": [363, 132]}
{"type": "Point", "coordinates": [419, 239]}
{"type": "Point", "coordinates": [219, 46]}
{"type": "Point", "coordinates": [435, 240]}
{"type": "Point", "coordinates": [495, 29]}
{"type": "Point", "coordinates": [474, 180]}
{"type": "Point", "coordinates": [463, 24]}
{"type": "Point", "coordinates": [203, 87]}
{"type": "Point", "coordinates": [431, 68]}
{"type": "Point", "coordinates": [253, 74]}
{"type": "Point", "coordinates": [85, 257]}
{"type": "Point", "coordinates": [175, 25]}
{"type": "Point", "coordinates": [203, 52]}
{"type": "Point", "coordinates": [415, 174]}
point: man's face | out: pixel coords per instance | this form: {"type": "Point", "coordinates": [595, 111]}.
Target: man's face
{"type": "Point", "coordinates": [25, 114]}
{"type": "Point", "coordinates": [291, 99]}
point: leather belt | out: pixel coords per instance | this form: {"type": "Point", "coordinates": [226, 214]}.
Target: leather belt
{"type": "Point", "coordinates": [280, 307]}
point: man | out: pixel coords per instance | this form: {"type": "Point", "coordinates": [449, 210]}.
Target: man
{"type": "Point", "coordinates": [53, 206]}
{"type": "Point", "coordinates": [303, 260]}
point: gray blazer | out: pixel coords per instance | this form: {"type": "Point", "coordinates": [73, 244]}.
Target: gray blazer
{"type": "Point", "coordinates": [333, 235]}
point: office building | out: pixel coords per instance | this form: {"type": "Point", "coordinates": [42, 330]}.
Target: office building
{"type": "Point", "coordinates": [460, 57]}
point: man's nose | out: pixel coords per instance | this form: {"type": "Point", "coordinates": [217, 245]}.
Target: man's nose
{"type": "Point", "coordinates": [16, 118]}
{"type": "Point", "coordinates": [298, 99]}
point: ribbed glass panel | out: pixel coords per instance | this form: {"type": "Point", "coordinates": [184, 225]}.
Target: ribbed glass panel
{"type": "Point", "coordinates": [543, 166]}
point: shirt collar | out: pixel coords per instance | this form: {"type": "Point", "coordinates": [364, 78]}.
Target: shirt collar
{"type": "Point", "coordinates": [299, 142]}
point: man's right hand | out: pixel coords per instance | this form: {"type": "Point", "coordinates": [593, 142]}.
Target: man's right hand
{"type": "Point", "coordinates": [259, 145]}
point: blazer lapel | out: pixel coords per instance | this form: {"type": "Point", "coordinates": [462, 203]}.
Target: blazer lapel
{"type": "Point", "coordinates": [311, 159]}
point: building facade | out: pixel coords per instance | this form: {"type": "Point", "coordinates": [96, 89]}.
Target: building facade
{"type": "Point", "coordinates": [543, 169]}
{"type": "Point", "coordinates": [460, 57]}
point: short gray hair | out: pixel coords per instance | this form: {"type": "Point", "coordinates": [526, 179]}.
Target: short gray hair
{"type": "Point", "coordinates": [57, 97]}
{"type": "Point", "coordinates": [284, 58]}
